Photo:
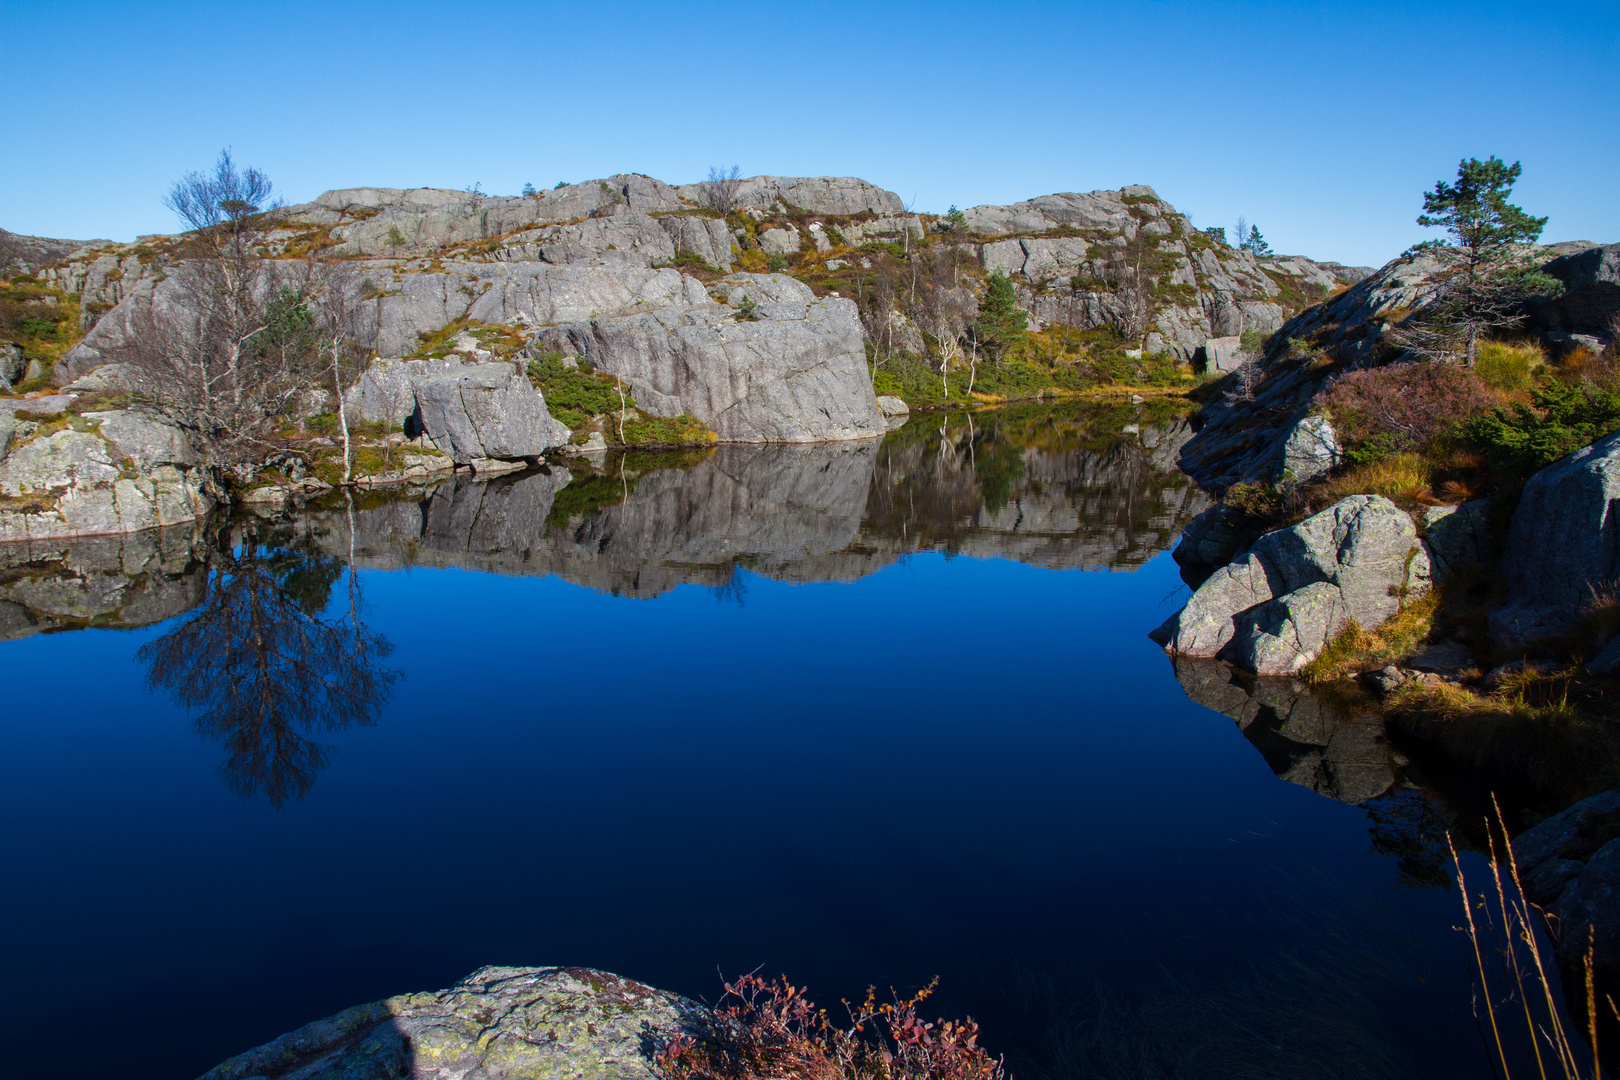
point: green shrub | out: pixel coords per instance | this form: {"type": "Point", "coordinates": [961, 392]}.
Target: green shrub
{"type": "Point", "coordinates": [1562, 418]}
{"type": "Point", "coordinates": [776, 263]}
{"type": "Point", "coordinates": [578, 391]}
{"type": "Point", "coordinates": [680, 430]}
{"type": "Point", "coordinates": [692, 260]}
{"type": "Point", "coordinates": [911, 380]}
{"type": "Point", "coordinates": [883, 247]}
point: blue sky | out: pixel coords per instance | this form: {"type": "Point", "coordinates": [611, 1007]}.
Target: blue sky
{"type": "Point", "coordinates": [1322, 123]}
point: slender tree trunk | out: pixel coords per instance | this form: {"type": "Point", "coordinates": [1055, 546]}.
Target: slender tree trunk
{"type": "Point", "coordinates": [343, 414]}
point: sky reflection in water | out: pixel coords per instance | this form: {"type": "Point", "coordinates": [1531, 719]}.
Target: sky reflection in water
{"type": "Point", "coordinates": [757, 713]}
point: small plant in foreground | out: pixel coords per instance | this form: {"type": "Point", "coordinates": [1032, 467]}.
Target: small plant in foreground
{"type": "Point", "coordinates": [769, 1029]}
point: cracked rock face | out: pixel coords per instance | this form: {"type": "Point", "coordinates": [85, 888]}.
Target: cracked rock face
{"type": "Point", "coordinates": [497, 1023]}
{"type": "Point", "coordinates": [1272, 610]}
{"type": "Point", "coordinates": [793, 372]}
{"type": "Point", "coordinates": [77, 483]}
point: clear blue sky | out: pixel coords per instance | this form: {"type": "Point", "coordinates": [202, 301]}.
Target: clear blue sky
{"type": "Point", "coordinates": [1320, 122]}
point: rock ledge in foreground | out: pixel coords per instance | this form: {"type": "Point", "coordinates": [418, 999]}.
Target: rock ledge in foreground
{"type": "Point", "coordinates": [497, 1022]}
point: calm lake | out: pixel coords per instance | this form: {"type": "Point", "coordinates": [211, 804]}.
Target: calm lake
{"type": "Point", "coordinates": [859, 713]}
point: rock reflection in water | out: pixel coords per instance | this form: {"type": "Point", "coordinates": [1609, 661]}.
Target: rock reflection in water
{"type": "Point", "coordinates": [263, 667]}
{"type": "Point", "coordinates": [1053, 487]}
{"type": "Point", "coordinates": [1061, 488]}
{"type": "Point", "coordinates": [1335, 751]}
{"type": "Point", "coordinates": [1340, 751]}
{"type": "Point", "coordinates": [113, 582]}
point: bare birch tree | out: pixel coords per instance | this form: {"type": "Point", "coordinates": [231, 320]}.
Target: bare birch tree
{"type": "Point", "coordinates": [720, 189]}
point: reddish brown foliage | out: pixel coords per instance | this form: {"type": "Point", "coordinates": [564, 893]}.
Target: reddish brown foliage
{"type": "Point", "coordinates": [1405, 406]}
{"type": "Point", "coordinates": [769, 1030]}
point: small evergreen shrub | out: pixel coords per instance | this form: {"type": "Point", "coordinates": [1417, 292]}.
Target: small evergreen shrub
{"type": "Point", "coordinates": [1560, 419]}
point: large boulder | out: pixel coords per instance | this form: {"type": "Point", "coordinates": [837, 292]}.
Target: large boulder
{"type": "Point", "coordinates": [1457, 537]}
{"type": "Point", "coordinates": [1308, 449]}
{"type": "Point", "coordinates": [386, 390]}
{"type": "Point", "coordinates": [483, 411]}
{"type": "Point", "coordinates": [1272, 609]}
{"type": "Point", "coordinates": [499, 1023]}
{"type": "Point", "coordinates": [1563, 545]}
{"type": "Point", "coordinates": [1591, 297]}
{"type": "Point", "coordinates": [795, 371]}
{"type": "Point", "coordinates": [1221, 354]}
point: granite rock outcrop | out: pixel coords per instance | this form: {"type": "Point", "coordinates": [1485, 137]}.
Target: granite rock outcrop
{"type": "Point", "coordinates": [1273, 608]}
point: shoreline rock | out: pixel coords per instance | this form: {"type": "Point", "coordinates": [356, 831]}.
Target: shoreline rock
{"type": "Point", "coordinates": [497, 1023]}
{"type": "Point", "coordinates": [1272, 609]}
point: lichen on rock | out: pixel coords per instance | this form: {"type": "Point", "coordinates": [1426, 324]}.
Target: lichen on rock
{"type": "Point", "coordinates": [497, 1023]}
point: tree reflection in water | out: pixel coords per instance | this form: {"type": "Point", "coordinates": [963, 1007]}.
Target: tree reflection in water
{"type": "Point", "coordinates": [264, 665]}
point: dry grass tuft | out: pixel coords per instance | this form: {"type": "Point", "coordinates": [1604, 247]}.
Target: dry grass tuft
{"type": "Point", "coordinates": [1523, 1019]}
{"type": "Point", "coordinates": [1357, 649]}
{"type": "Point", "coordinates": [1403, 477]}
{"type": "Point", "coordinates": [1508, 368]}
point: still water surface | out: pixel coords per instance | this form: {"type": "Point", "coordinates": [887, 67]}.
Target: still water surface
{"type": "Point", "coordinates": [857, 714]}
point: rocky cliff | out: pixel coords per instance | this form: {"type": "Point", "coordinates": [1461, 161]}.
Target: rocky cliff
{"type": "Point", "coordinates": [589, 250]}
{"type": "Point", "coordinates": [93, 472]}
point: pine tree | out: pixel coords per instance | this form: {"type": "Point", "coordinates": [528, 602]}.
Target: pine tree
{"type": "Point", "coordinates": [1255, 244]}
{"type": "Point", "coordinates": [1000, 325]}
{"type": "Point", "coordinates": [1486, 274]}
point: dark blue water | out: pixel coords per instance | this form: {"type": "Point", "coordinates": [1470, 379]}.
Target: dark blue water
{"type": "Point", "coordinates": [867, 763]}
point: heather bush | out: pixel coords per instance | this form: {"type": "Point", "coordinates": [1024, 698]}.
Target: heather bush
{"type": "Point", "coordinates": [1404, 407]}
{"type": "Point", "coordinates": [769, 1030]}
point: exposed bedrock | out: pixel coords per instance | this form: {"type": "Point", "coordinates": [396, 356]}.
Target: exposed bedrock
{"type": "Point", "coordinates": [771, 364]}
{"type": "Point", "coordinates": [122, 471]}
{"type": "Point", "coordinates": [1563, 545]}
